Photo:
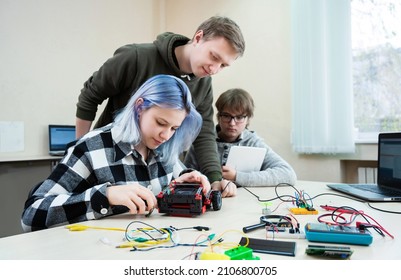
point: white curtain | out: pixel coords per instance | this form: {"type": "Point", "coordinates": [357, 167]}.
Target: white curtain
{"type": "Point", "coordinates": [322, 108]}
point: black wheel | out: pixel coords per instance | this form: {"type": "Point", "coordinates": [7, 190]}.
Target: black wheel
{"type": "Point", "coordinates": [216, 200]}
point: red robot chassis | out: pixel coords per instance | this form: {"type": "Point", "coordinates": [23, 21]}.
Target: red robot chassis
{"type": "Point", "coordinates": [187, 199]}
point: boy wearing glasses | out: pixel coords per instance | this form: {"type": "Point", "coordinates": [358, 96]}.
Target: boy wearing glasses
{"type": "Point", "coordinates": [235, 108]}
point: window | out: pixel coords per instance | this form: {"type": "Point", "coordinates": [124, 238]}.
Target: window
{"type": "Point", "coordinates": [321, 77]}
{"type": "Point", "coordinates": [376, 51]}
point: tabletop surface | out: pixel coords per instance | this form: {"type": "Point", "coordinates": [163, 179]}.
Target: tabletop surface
{"type": "Point", "coordinates": [245, 209]}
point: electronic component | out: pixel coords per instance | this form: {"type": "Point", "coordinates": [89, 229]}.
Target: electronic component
{"type": "Point", "coordinates": [337, 234]}
{"type": "Point", "coordinates": [266, 210]}
{"type": "Point", "coordinates": [273, 222]}
{"type": "Point", "coordinates": [212, 256]}
{"type": "Point", "coordinates": [286, 248]}
{"type": "Point", "coordinates": [303, 211]}
{"type": "Point", "coordinates": [241, 253]}
{"type": "Point", "coordinates": [236, 253]}
{"type": "Point", "coordinates": [333, 252]}
{"type": "Point", "coordinates": [285, 235]}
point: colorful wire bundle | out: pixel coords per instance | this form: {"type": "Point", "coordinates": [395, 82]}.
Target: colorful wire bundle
{"type": "Point", "coordinates": [339, 217]}
{"type": "Point", "coordinates": [150, 238]}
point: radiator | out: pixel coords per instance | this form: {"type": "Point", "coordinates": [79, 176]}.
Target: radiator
{"type": "Point", "coordinates": [367, 175]}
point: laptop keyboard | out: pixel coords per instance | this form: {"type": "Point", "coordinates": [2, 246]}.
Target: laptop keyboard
{"type": "Point", "coordinates": [376, 189]}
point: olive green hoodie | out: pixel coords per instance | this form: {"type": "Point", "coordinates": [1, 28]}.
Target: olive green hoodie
{"type": "Point", "coordinates": [131, 65]}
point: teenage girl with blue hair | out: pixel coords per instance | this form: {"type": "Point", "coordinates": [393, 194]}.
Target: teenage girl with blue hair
{"type": "Point", "coordinates": [122, 166]}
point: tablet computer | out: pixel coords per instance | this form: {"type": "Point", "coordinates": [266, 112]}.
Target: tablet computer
{"type": "Point", "coordinates": [246, 159]}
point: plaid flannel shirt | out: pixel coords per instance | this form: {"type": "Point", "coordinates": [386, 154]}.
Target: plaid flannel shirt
{"type": "Point", "coordinates": [76, 189]}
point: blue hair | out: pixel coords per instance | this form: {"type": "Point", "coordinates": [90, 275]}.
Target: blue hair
{"type": "Point", "coordinates": [164, 91]}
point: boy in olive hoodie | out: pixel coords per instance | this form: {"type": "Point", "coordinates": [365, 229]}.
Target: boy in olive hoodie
{"type": "Point", "coordinates": [216, 44]}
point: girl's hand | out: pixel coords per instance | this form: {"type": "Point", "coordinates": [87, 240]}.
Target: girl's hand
{"type": "Point", "coordinates": [195, 177]}
{"type": "Point", "coordinates": [134, 196]}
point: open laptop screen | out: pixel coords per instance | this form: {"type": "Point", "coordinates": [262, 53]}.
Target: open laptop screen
{"type": "Point", "coordinates": [389, 165]}
{"type": "Point", "coordinates": [59, 137]}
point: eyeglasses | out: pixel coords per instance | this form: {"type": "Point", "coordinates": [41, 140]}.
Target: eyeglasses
{"type": "Point", "coordinates": [227, 118]}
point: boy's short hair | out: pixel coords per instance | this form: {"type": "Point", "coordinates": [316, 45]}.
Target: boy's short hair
{"type": "Point", "coordinates": [219, 26]}
{"type": "Point", "coordinates": [236, 99]}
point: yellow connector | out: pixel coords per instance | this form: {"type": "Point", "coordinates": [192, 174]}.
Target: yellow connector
{"type": "Point", "coordinates": [303, 211]}
{"type": "Point", "coordinates": [213, 256]}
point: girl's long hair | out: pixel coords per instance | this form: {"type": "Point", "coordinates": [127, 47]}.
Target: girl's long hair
{"type": "Point", "coordinates": [164, 91]}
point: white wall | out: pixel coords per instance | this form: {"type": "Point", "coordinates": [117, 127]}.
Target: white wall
{"type": "Point", "coordinates": [264, 70]}
{"type": "Point", "coordinates": [50, 47]}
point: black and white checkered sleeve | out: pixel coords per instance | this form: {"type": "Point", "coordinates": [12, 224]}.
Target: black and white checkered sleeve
{"type": "Point", "coordinates": [70, 194]}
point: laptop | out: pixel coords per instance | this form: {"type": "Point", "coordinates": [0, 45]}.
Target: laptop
{"type": "Point", "coordinates": [388, 187]}
{"type": "Point", "coordinates": [59, 137]}
{"type": "Point", "coordinates": [246, 159]}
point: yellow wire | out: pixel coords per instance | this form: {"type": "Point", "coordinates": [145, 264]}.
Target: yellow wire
{"type": "Point", "coordinates": [79, 227]}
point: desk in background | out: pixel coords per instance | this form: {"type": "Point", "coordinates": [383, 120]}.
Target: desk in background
{"type": "Point", "coordinates": [59, 243]}
{"type": "Point", "coordinates": [17, 176]}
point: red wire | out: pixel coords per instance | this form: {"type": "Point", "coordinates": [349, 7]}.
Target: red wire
{"type": "Point", "coordinates": [355, 213]}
